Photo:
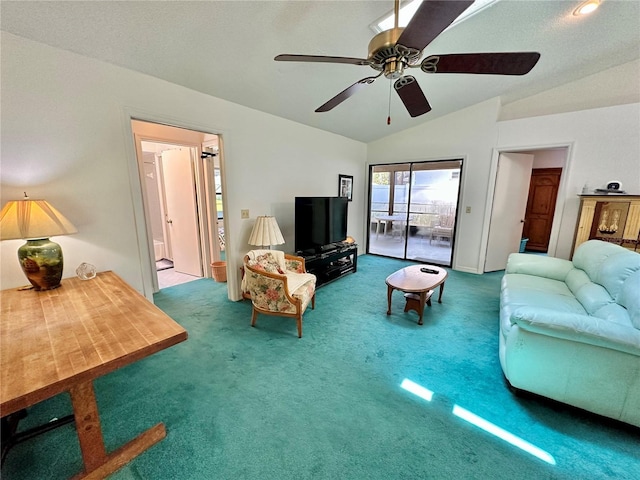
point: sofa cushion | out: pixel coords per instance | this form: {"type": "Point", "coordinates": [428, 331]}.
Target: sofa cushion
{"type": "Point", "coordinates": [524, 290]}
{"type": "Point", "coordinates": [593, 297]}
{"type": "Point", "coordinates": [629, 297]}
{"type": "Point", "coordinates": [576, 278]}
{"type": "Point", "coordinates": [579, 328]}
{"type": "Point", "coordinates": [614, 313]}
{"type": "Point", "coordinates": [616, 269]}
{"type": "Point", "coordinates": [590, 255]}
{"type": "Point", "coordinates": [606, 264]}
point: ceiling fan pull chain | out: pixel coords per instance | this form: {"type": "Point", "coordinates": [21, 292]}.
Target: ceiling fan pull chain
{"type": "Point", "coordinates": [389, 116]}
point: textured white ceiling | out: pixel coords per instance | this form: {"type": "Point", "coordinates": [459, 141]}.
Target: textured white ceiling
{"type": "Point", "coordinates": [226, 49]}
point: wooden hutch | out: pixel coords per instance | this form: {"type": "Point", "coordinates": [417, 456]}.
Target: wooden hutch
{"type": "Point", "coordinates": [610, 217]}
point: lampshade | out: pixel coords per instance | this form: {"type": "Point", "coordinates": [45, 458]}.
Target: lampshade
{"type": "Point", "coordinates": [32, 219]}
{"type": "Point", "coordinates": [35, 221]}
{"type": "Point", "coordinates": [266, 232]}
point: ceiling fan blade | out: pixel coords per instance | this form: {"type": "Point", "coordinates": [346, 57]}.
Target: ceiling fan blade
{"type": "Point", "coordinates": [431, 18]}
{"type": "Point", "coordinates": [411, 95]}
{"type": "Point", "coordinates": [511, 63]}
{"type": "Point", "coordinates": [346, 93]}
{"type": "Point", "coordinates": [321, 59]}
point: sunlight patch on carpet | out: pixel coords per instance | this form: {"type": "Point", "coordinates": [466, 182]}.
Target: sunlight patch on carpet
{"type": "Point", "coordinates": [416, 389]}
{"type": "Point", "coordinates": [503, 434]}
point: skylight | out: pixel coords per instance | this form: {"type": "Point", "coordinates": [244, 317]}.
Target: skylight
{"type": "Point", "coordinates": [409, 9]}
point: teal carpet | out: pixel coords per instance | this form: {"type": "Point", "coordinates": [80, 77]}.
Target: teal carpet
{"type": "Point", "coordinates": [259, 403]}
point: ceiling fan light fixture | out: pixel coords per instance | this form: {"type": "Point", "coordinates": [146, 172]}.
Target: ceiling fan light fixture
{"type": "Point", "coordinates": [587, 7]}
{"type": "Point", "coordinates": [394, 68]}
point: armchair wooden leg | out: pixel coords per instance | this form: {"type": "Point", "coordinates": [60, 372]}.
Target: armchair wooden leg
{"type": "Point", "coordinates": [313, 302]}
{"type": "Point", "coordinates": [254, 315]}
{"type": "Point", "coordinates": [299, 321]}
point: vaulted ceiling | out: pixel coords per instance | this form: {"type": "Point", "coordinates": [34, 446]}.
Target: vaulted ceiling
{"type": "Point", "coordinates": [226, 49]}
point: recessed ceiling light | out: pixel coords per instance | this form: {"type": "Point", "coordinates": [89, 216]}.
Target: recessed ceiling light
{"type": "Point", "coordinates": [409, 9]}
{"type": "Point", "coordinates": [587, 7]}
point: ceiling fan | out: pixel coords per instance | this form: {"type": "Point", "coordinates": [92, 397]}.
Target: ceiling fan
{"type": "Point", "coordinates": [397, 49]}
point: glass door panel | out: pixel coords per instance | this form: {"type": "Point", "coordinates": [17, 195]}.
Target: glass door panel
{"type": "Point", "coordinates": [421, 201]}
{"type": "Point", "coordinates": [388, 210]}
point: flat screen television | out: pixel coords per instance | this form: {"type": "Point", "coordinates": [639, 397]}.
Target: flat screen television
{"type": "Point", "coordinates": [319, 221]}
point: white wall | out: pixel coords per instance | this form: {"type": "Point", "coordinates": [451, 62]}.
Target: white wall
{"type": "Point", "coordinates": [66, 137]}
{"type": "Point", "coordinates": [552, 158]}
{"type": "Point", "coordinates": [605, 145]}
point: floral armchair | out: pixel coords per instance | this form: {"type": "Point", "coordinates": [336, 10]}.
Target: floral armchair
{"type": "Point", "coordinates": [278, 284]}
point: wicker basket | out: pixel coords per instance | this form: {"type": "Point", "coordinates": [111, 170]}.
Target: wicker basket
{"type": "Point", "coordinates": [219, 271]}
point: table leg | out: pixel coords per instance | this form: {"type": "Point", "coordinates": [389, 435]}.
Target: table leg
{"type": "Point", "coordinates": [423, 299]}
{"type": "Point", "coordinates": [85, 409]}
{"type": "Point", "coordinates": [97, 464]}
{"type": "Point", "coordinates": [389, 291]}
{"type": "Point", "coordinates": [440, 295]}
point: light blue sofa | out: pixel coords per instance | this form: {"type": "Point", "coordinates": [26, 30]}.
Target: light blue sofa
{"type": "Point", "coordinates": [570, 330]}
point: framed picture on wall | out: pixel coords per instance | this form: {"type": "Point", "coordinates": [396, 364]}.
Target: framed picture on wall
{"type": "Point", "coordinates": [345, 186]}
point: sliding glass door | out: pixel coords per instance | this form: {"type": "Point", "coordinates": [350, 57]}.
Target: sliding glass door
{"type": "Point", "coordinates": [412, 210]}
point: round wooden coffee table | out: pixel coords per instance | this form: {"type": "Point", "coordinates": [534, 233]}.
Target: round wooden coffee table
{"type": "Point", "coordinates": [417, 285]}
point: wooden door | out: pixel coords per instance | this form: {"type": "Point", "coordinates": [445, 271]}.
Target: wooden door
{"type": "Point", "coordinates": [541, 204]}
{"type": "Point", "coordinates": [509, 206]}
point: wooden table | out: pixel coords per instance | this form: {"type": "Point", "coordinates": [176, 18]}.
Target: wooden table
{"type": "Point", "coordinates": [386, 219]}
{"type": "Point", "coordinates": [61, 340]}
{"type": "Point", "coordinates": [417, 285]}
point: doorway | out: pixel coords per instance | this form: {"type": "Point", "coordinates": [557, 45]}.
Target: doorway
{"type": "Point", "coordinates": [524, 207]}
{"type": "Point", "coordinates": [181, 185]}
{"type": "Point", "coordinates": [412, 210]}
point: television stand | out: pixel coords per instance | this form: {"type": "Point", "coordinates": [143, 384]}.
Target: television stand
{"type": "Point", "coordinates": [331, 265]}
{"type": "Point", "coordinates": [328, 248]}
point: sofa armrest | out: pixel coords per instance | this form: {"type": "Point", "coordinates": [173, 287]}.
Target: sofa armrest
{"type": "Point", "coordinates": [548, 267]}
{"type": "Point", "coordinates": [578, 328]}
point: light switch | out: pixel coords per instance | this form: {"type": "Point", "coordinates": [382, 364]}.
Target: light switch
{"type": "Point", "coordinates": [468, 210]}
{"type": "Point", "coordinates": [244, 213]}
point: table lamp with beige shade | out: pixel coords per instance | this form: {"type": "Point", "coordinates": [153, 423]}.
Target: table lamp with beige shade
{"type": "Point", "coordinates": [266, 232]}
{"type": "Point", "coordinates": [35, 221]}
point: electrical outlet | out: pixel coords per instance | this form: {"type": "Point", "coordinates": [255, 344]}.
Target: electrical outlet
{"type": "Point", "coordinates": [468, 210]}
{"type": "Point", "coordinates": [244, 213]}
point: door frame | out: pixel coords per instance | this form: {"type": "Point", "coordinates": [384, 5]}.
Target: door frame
{"type": "Point", "coordinates": [204, 229]}
{"type": "Point", "coordinates": [144, 238]}
{"type": "Point", "coordinates": [410, 163]}
{"type": "Point", "coordinates": [560, 203]}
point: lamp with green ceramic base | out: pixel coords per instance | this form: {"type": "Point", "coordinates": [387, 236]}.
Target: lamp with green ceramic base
{"type": "Point", "coordinates": [35, 221]}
